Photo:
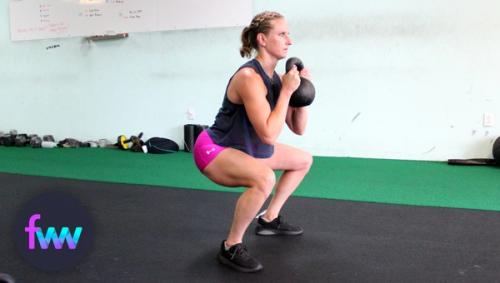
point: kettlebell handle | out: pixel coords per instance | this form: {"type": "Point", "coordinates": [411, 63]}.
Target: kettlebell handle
{"type": "Point", "coordinates": [294, 61]}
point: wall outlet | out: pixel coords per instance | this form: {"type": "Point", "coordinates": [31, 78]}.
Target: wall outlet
{"type": "Point", "coordinates": [488, 120]}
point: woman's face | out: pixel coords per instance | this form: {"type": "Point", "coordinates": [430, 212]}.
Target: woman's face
{"type": "Point", "coordinates": [277, 41]}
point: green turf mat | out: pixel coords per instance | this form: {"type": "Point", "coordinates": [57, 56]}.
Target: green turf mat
{"type": "Point", "coordinates": [108, 165]}
{"type": "Point", "coordinates": [404, 182]}
{"type": "Point", "coordinates": [359, 179]}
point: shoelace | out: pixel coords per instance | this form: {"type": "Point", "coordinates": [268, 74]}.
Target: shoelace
{"type": "Point", "coordinates": [240, 250]}
{"type": "Point", "coordinates": [278, 222]}
{"type": "Point", "coordinates": [282, 224]}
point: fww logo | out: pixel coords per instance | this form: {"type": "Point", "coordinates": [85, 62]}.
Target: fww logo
{"type": "Point", "coordinates": [51, 235]}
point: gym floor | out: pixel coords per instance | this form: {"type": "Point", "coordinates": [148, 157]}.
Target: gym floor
{"type": "Point", "coordinates": [148, 227]}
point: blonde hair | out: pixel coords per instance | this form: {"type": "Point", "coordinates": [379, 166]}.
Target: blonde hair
{"type": "Point", "coordinates": [261, 23]}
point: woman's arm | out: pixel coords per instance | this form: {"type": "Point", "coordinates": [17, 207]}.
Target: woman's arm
{"type": "Point", "coordinates": [250, 88]}
{"type": "Point", "coordinates": [296, 117]}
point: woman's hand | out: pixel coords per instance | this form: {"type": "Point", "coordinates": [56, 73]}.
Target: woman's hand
{"type": "Point", "coordinates": [305, 74]}
{"type": "Point", "coordinates": [290, 81]}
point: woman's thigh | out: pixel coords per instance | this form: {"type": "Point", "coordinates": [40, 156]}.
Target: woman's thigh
{"type": "Point", "coordinates": [234, 168]}
{"type": "Point", "coordinates": [287, 157]}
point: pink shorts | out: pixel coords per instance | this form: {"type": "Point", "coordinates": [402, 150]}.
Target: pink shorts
{"type": "Point", "coordinates": [205, 150]}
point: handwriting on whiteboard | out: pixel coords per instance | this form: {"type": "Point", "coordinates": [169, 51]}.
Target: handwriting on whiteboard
{"type": "Point", "coordinates": [91, 12]}
{"type": "Point", "coordinates": [39, 19]}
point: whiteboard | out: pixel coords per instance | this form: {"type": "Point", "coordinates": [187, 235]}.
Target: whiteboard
{"type": "Point", "coordinates": [40, 19]}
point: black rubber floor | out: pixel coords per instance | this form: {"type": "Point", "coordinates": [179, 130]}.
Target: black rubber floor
{"type": "Point", "coordinates": [152, 234]}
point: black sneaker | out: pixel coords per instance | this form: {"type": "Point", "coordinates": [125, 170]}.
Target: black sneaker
{"type": "Point", "coordinates": [237, 257]}
{"type": "Point", "coordinates": [277, 227]}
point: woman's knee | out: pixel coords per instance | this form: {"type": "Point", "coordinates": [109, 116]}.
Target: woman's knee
{"type": "Point", "coordinates": [308, 160]}
{"type": "Point", "coordinates": [265, 181]}
{"type": "Point", "coordinates": [304, 161]}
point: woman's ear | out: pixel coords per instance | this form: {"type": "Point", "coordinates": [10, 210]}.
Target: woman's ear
{"type": "Point", "coordinates": [261, 39]}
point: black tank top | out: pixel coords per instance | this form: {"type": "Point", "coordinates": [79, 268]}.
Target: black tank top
{"type": "Point", "coordinates": [232, 127]}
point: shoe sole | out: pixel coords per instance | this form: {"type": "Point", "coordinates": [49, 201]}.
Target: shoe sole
{"type": "Point", "coordinates": [228, 263]}
{"type": "Point", "coordinates": [268, 232]}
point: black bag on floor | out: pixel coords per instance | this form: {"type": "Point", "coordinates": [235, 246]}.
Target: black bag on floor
{"type": "Point", "coordinates": [481, 161]}
{"type": "Point", "coordinates": [161, 145]}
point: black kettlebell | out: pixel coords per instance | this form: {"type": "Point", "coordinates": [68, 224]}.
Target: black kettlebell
{"type": "Point", "coordinates": [304, 95]}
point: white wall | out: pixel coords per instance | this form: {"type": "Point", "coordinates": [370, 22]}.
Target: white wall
{"type": "Point", "coordinates": [394, 79]}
